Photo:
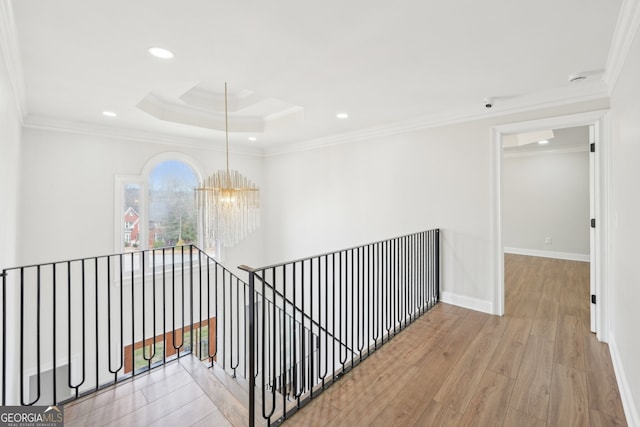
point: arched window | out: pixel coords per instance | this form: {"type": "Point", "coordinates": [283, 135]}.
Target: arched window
{"type": "Point", "coordinates": [157, 208]}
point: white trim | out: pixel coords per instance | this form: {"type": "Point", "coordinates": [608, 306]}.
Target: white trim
{"type": "Point", "coordinates": [81, 128]}
{"type": "Point", "coordinates": [624, 33]}
{"type": "Point", "coordinates": [547, 254]}
{"type": "Point", "coordinates": [466, 302]}
{"type": "Point", "coordinates": [10, 47]}
{"type": "Point", "coordinates": [497, 267]}
{"type": "Point", "coordinates": [601, 119]}
{"type": "Point", "coordinates": [141, 180]}
{"type": "Point", "coordinates": [557, 122]}
{"type": "Point", "coordinates": [405, 126]}
{"type": "Point", "coordinates": [602, 206]}
{"type": "Point", "coordinates": [556, 99]}
{"type": "Point", "coordinates": [630, 409]}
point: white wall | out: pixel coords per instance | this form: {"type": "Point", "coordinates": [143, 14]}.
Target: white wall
{"type": "Point", "coordinates": [340, 196]}
{"type": "Point", "coordinates": [625, 231]}
{"type": "Point", "coordinates": [67, 205]}
{"type": "Point", "coordinates": [10, 186]}
{"type": "Point", "coordinates": [546, 194]}
{"type": "Point", "coordinates": [9, 168]}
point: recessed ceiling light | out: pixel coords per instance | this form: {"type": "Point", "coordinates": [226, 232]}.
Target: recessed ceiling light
{"type": "Point", "coordinates": [109, 114]}
{"type": "Point", "coordinates": [161, 53]}
{"type": "Point", "coordinates": [342, 115]}
{"type": "Point", "coordinates": [544, 141]}
{"type": "Point", "coordinates": [252, 138]}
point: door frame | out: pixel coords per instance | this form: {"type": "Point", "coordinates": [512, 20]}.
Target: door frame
{"type": "Point", "coordinates": [600, 120]}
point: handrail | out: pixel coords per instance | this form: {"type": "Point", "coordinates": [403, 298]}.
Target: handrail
{"type": "Point", "coordinates": [374, 291]}
{"type": "Point", "coordinates": [295, 307]}
{"type": "Point", "coordinates": [171, 292]}
{"type": "Point", "coordinates": [106, 334]}
{"type": "Point", "coordinates": [115, 316]}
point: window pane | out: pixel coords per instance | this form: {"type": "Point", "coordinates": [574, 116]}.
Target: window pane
{"type": "Point", "coordinates": [172, 214]}
{"type": "Point", "coordinates": [131, 217]}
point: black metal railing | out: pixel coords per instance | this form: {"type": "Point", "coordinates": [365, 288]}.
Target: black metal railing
{"type": "Point", "coordinates": [318, 317]}
{"type": "Point", "coordinates": [73, 327]}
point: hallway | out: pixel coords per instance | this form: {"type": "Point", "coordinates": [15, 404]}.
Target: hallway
{"type": "Point", "coordinates": [539, 365]}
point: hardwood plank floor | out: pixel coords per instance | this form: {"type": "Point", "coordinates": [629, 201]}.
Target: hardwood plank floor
{"type": "Point", "coordinates": [166, 396]}
{"type": "Point", "coordinates": [539, 365]}
{"type": "Point", "coordinates": [536, 366]}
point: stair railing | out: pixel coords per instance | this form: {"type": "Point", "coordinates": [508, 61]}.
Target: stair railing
{"type": "Point", "coordinates": [349, 303]}
{"type": "Point", "coordinates": [77, 326]}
{"type": "Point", "coordinates": [74, 327]}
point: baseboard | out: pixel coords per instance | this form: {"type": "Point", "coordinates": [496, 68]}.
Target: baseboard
{"type": "Point", "coordinates": [548, 254]}
{"type": "Point", "coordinates": [630, 410]}
{"type": "Point", "coordinates": [467, 302]}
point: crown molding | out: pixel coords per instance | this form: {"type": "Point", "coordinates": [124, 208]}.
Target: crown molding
{"type": "Point", "coordinates": [526, 103]}
{"type": "Point", "coordinates": [521, 104]}
{"type": "Point", "coordinates": [10, 47]}
{"type": "Point", "coordinates": [82, 128]}
{"type": "Point", "coordinates": [623, 35]}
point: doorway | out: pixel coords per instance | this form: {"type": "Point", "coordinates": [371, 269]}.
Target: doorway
{"type": "Point", "coordinates": [598, 121]}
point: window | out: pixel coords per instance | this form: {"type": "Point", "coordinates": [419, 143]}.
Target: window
{"type": "Point", "coordinates": [157, 208]}
{"type": "Point", "coordinates": [131, 218]}
{"type": "Point", "coordinates": [171, 207]}
{"type": "Point", "coordinates": [162, 346]}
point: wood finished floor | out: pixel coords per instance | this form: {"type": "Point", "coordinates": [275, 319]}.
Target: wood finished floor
{"type": "Point", "coordinates": [182, 393]}
{"type": "Point", "coordinates": [539, 365]}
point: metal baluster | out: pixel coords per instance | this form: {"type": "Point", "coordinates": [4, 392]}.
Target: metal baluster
{"type": "Point", "coordinates": [353, 334]}
{"type": "Point", "coordinates": [343, 322]}
{"type": "Point", "coordinates": [109, 361]}
{"type": "Point", "coordinates": [191, 322]}
{"type": "Point", "coordinates": [224, 318]}
{"type": "Point", "coordinates": [437, 263]}
{"type": "Point", "coordinates": [326, 320]}
{"type": "Point", "coordinates": [333, 323]}
{"type": "Point", "coordinates": [359, 300]}
{"type": "Point", "coordinates": [283, 343]}
{"type": "Point", "coordinates": [252, 352]}
{"type": "Point", "coordinates": [294, 347]}
{"type": "Point", "coordinates": [22, 350]}
{"type": "Point", "coordinates": [4, 337]}
{"type": "Point", "coordinates": [215, 308]}
{"type": "Point", "coordinates": [53, 335]}
{"type": "Point", "coordinates": [200, 351]}
{"type": "Point", "coordinates": [144, 308]}
{"type": "Point", "coordinates": [235, 367]}
{"type": "Point", "coordinates": [164, 307]}
{"type": "Point", "coordinates": [273, 348]}
{"type": "Point", "coordinates": [133, 319]}
{"type": "Point", "coordinates": [309, 331]}
{"type": "Point", "coordinates": [97, 322]}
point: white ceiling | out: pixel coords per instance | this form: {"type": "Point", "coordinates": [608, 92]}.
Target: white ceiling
{"type": "Point", "coordinates": [383, 62]}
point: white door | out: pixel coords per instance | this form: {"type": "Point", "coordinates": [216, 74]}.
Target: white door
{"type": "Point", "coordinates": [594, 223]}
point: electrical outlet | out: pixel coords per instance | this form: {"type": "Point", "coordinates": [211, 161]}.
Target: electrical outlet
{"type": "Point", "coordinates": [547, 240]}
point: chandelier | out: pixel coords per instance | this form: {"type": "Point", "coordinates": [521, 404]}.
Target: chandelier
{"type": "Point", "coordinates": [227, 202]}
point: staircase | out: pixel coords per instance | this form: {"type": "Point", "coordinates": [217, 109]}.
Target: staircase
{"type": "Point", "coordinates": [259, 349]}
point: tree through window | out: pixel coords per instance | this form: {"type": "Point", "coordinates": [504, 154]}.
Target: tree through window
{"type": "Point", "coordinates": [172, 214]}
